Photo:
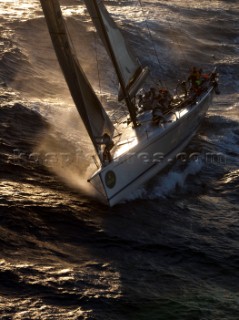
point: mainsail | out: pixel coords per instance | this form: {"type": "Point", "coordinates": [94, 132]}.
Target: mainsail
{"type": "Point", "coordinates": [133, 74]}
{"type": "Point", "coordinates": [89, 107]}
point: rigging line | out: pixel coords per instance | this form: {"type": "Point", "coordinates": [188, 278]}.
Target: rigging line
{"type": "Point", "coordinates": [151, 38]}
{"type": "Point", "coordinates": [97, 65]}
{"type": "Point", "coordinates": [178, 42]}
{"type": "Point", "coordinates": [75, 54]}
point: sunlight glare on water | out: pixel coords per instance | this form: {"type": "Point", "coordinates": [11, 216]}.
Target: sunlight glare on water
{"type": "Point", "coordinates": [171, 251]}
{"type": "Point", "coordinates": [18, 9]}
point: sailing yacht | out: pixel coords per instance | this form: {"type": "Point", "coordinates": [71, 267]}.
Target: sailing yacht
{"type": "Point", "coordinates": [141, 145]}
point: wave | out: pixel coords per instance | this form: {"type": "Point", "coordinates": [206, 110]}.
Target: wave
{"type": "Point", "coordinates": [171, 252]}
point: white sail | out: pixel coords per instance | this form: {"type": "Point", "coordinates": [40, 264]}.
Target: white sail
{"type": "Point", "coordinates": [132, 73]}
{"type": "Point", "coordinates": [91, 111]}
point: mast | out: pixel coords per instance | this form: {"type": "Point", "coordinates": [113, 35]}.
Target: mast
{"type": "Point", "coordinates": [93, 115]}
{"type": "Point", "coordinates": [111, 52]}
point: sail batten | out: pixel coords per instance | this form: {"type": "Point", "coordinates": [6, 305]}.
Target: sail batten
{"type": "Point", "coordinates": [133, 74]}
{"type": "Point", "coordinates": [94, 117]}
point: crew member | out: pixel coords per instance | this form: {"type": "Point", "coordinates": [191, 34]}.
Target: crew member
{"type": "Point", "coordinates": [107, 141]}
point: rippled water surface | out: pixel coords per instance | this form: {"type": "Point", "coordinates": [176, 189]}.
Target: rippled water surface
{"type": "Point", "coordinates": [171, 250]}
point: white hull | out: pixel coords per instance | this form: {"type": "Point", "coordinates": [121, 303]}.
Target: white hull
{"type": "Point", "coordinates": [152, 154]}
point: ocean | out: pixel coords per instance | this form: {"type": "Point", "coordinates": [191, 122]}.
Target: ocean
{"type": "Point", "coordinates": [171, 250]}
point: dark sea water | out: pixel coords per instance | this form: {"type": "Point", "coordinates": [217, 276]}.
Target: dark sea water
{"type": "Point", "coordinates": [171, 252]}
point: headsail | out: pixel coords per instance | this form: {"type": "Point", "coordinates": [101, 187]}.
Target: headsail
{"type": "Point", "coordinates": [132, 72]}
{"type": "Point", "coordinates": [91, 111]}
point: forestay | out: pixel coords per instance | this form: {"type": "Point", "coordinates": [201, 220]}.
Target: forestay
{"type": "Point", "coordinates": [132, 73]}
{"type": "Point", "coordinates": [91, 111]}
